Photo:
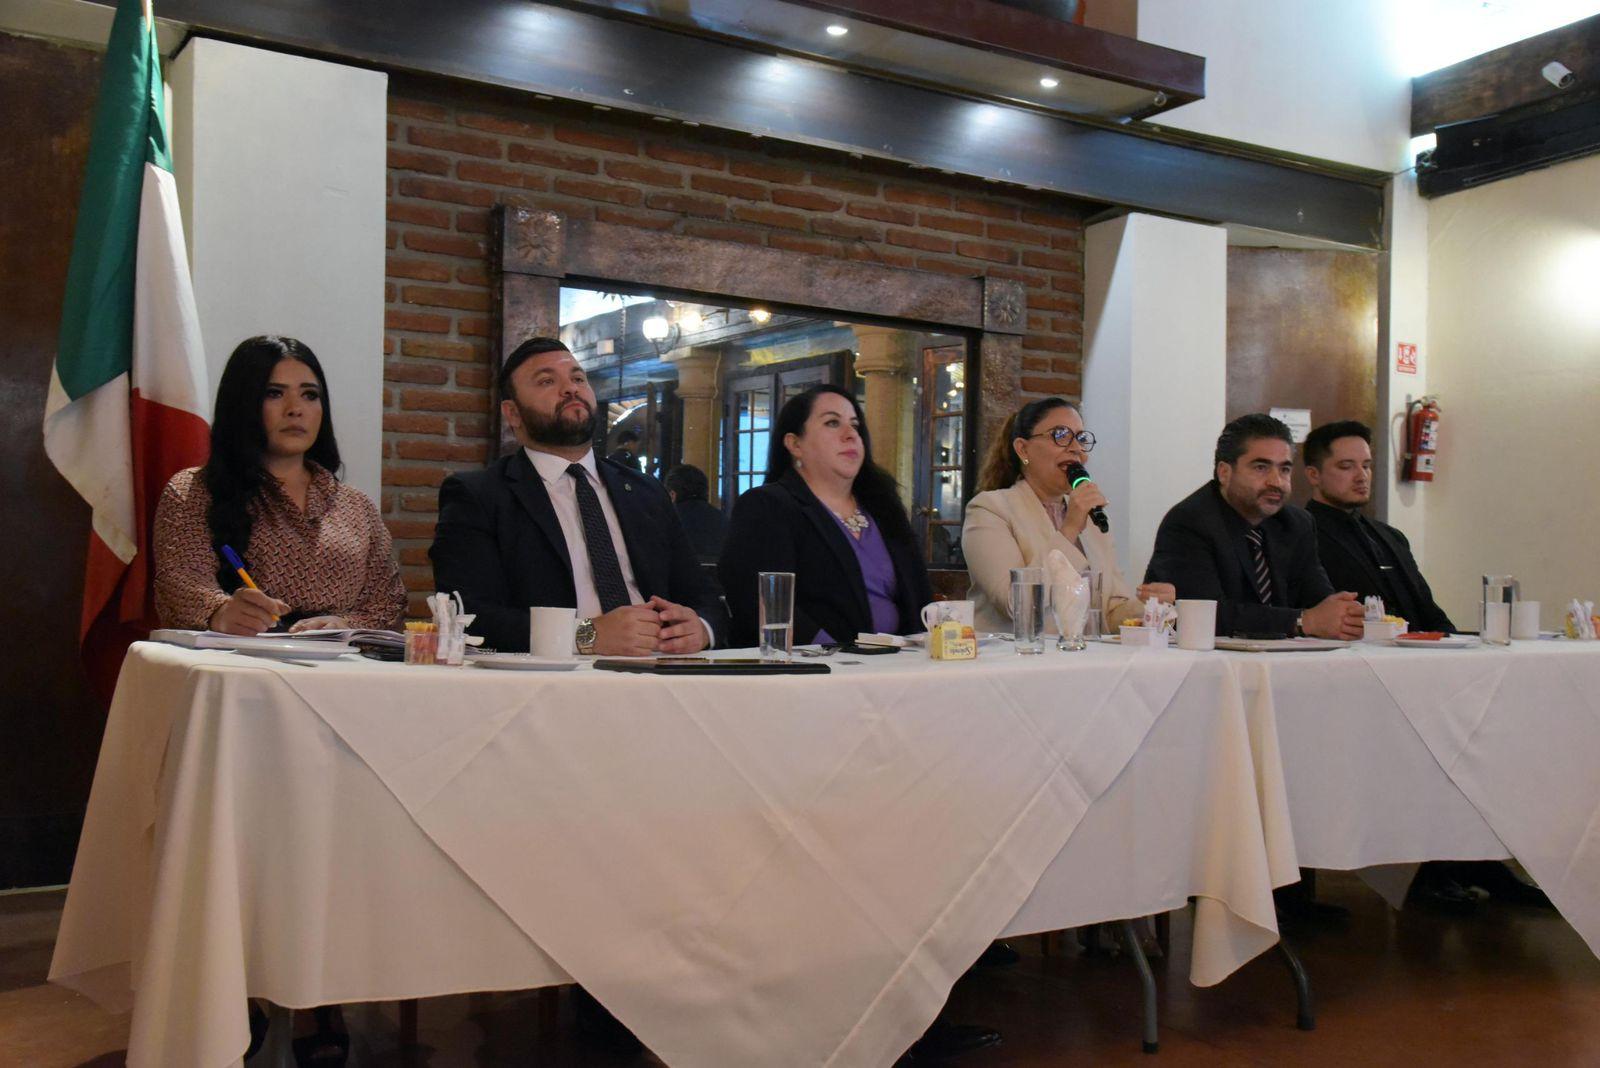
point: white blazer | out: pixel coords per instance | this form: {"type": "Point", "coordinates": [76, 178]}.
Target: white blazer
{"type": "Point", "coordinates": [1009, 528]}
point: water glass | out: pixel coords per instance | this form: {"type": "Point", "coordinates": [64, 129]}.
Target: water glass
{"type": "Point", "coordinates": [1027, 609]}
{"type": "Point", "coordinates": [775, 613]}
{"type": "Point", "coordinates": [1504, 591]}
{"type": "Point", "coordinates": [1094, 622]}
{"type": "Point", "coordinates": [1071, 604]}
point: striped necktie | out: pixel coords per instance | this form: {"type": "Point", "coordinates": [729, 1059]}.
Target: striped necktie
{"type": "Point", "coordinates": [1258, 553]}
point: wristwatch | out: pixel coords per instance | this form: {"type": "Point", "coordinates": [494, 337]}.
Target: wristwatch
{"type": "Point", "coordinates": [586, 636]}
{"type": "Point", "coordinates": [1300, 625]}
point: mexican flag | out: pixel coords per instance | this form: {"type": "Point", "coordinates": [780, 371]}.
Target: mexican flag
{"type": "Point", "coordinates": [128, 391]}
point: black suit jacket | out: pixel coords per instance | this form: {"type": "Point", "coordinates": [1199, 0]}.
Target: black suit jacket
{"type": "Point", "coordinates": [1350, 566]}
{"type": "Point", "coordinates": [783, 527]}
{"type": "Point", "coordinates": [499, 542]}
{"type": "Point", "coordinates": [1199, 550]}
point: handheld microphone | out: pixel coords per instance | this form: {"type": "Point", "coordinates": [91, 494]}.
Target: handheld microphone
{"type": "Point", "coordinates": [1077, 473]}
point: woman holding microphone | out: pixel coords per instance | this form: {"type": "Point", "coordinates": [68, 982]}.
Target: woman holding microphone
{"type": "Point", "coordinates": [1028, 506]}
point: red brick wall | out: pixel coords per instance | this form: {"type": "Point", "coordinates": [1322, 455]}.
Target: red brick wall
{"type": "Point", "coordinates": [455, 152]}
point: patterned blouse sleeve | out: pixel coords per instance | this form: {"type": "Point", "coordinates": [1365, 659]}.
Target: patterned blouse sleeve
{"type": "Point", "coordinates": [382, 602]}
{"type": "Point", "coordinates": [187, 594]}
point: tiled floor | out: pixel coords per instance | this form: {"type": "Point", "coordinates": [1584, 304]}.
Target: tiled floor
{"type": "Point", "coordinates": [1510, 986]}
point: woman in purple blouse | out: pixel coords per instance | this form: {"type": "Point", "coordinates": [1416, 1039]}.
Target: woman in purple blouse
{"type": "Point", "coordinates": [834, 518]}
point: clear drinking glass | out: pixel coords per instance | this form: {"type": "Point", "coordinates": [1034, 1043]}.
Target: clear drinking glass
{"type": "Point", "coordinates": [775, 613]}
{"type": "Point", "coordinates": [1070, 604]}
{"type": "Point", "coordinates": [1497, 590]}
{"type": "Point", "coordinates": [1077, 612]}
{"type": "Point", "coordinates": [1094, 622]}
{"type": "Point", "coordinates": [1027, 609]}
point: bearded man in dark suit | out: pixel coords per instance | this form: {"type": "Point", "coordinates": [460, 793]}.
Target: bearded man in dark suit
{"type": "Point", "coordinates": [553, 525]}
{"type": "Point", "coordinates": [1238, 541]}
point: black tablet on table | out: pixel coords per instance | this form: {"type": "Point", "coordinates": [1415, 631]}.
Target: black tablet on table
{"type": "Point", "coordinates": [699, 665]}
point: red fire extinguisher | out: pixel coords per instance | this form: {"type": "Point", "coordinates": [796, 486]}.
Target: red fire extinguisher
{"type": "Point", "coordinates": [1422, 439]}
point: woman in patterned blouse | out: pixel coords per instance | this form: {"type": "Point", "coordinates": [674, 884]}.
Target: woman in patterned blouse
{"type": "Point", "coordinates": [316, 547]}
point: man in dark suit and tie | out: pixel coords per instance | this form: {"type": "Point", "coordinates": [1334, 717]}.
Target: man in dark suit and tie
{"type": "Point", "coordinates": [1237, 541]}
{"type": "Point", "coordinates": [1374, 559]}
{"type": "Point", "coordinates": [553, 525]}
{"type": "Point", "coordinates": [1358, 553]}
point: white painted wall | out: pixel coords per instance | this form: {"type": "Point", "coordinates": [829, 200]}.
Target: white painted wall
{"type": "Point", "coordinates": [1154, 367]}
{"type": "Point", "coordinates": [1317, 79]}
{"type": "Point", "coordinates": [1514, 333]}
{"type": "Point", "coordinates": [280, 164]}
{"type": "Point", "coordinates": [1403, 503]}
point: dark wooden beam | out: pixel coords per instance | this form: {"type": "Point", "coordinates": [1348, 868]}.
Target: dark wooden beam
{"type": "Point", "coordinates": [1507, 78]}
{"type": "Point", "coordinates": [645, 69]}
{"type": "Point", "coordinates": [1028, 35]}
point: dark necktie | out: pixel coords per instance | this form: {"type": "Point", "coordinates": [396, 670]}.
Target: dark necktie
{"type": "Point", "coordinates": [608, 582]}
{"type": "Point", "coordinates": [1373, 548]}
{"type": "Point", "coordinates": [1258, 553]}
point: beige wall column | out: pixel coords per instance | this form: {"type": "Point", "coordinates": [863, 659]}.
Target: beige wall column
{"type": "Point", "coordinates": [884, 359]}
{"type": "Point", "coordinates": [697, 389]}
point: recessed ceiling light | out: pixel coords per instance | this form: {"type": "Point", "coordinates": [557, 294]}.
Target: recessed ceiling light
{"type": "Point", "coordinates": [837, 30]}
{"type": "Point", "coordinates": [1049, 83]}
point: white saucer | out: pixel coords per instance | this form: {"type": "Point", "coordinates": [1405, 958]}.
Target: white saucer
{"type": "Point", "coordinates": [290, 649]}
{"type": "Point", "coordinates": [524, 662]}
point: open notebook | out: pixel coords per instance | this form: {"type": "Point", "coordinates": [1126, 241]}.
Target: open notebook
{"type": "Point", "coordinates": [211, 639]}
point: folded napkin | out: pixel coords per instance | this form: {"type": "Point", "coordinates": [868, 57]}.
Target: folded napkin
{"type": "Point", "coordinates": [1069, 593]}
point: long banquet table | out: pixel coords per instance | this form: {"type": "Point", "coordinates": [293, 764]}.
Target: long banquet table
{"type": "Point", "coordinates": [1397, 755]}
{"type": "Point", "coordinates": [774, 870]}
{"type": "Point", "coordinates": [777, 870]}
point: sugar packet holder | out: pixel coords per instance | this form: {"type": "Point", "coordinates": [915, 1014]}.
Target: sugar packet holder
{"type": "Point", "coordinates": [1582, 623]}
{"type": "Point", "coordinates": [444, 640]}
{"type": "Point", "coordinates": [952, 640]}
{"type": "Point", "coordinates": [1160, 616]}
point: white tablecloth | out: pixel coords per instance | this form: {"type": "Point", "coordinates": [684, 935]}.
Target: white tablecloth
{"type": "Point", "coordinates": [1398, 755]}
{"type": "Point", "coordinates": [745, 870]}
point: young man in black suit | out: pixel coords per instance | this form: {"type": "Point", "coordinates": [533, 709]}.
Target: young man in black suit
{"type": "Point", "coordinates": [1237, 541]}
{"type": "Point", "coordinates": [1358, 553]}
{"type": "Point", "coordinates": [1373, 558]}
{"type": "Point", "coordinates": [553, 525]}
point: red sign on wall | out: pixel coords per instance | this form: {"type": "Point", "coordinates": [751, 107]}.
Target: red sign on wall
{"type": "Point", "coordinates": [1405, 358]}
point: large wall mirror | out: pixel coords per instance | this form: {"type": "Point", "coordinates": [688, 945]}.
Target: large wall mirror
{"type": "Point", "coordinates": [693, 345]}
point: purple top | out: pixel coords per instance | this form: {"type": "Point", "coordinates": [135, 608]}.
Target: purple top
{"type": "Point", "coordinates": [877, 572]}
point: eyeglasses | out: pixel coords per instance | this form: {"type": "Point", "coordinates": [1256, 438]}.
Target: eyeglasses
{"type": "Point", "coordinates": [1061, 435]}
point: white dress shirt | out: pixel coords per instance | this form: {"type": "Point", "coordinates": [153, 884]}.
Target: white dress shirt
{"type": "Point", "coordinates": [564, 499]}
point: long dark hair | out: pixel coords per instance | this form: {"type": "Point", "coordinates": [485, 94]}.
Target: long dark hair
{"type": "Point", "coordinates": [1002, 466]}
{"type": "Point", "coordinates": [235, 474]}
{"type": "Point", "coordinates": [875, 489]}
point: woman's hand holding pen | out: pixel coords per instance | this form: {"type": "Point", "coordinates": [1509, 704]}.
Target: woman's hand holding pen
{"type": "Point", "coordinates": [248, 612]}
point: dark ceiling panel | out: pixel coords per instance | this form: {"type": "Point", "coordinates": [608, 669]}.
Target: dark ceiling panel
{"type": "Point", "coordinates": [582, 56]}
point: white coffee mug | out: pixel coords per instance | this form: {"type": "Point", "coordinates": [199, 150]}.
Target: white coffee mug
{"type": "Point", "coordinates": [552, 631]}
{"type": "Point", "coordinates": [946, 612]}
{"type": "Point", "coordinates": [1197, 624]}
{"type": "Point", "coordinates": [1525, 620]}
